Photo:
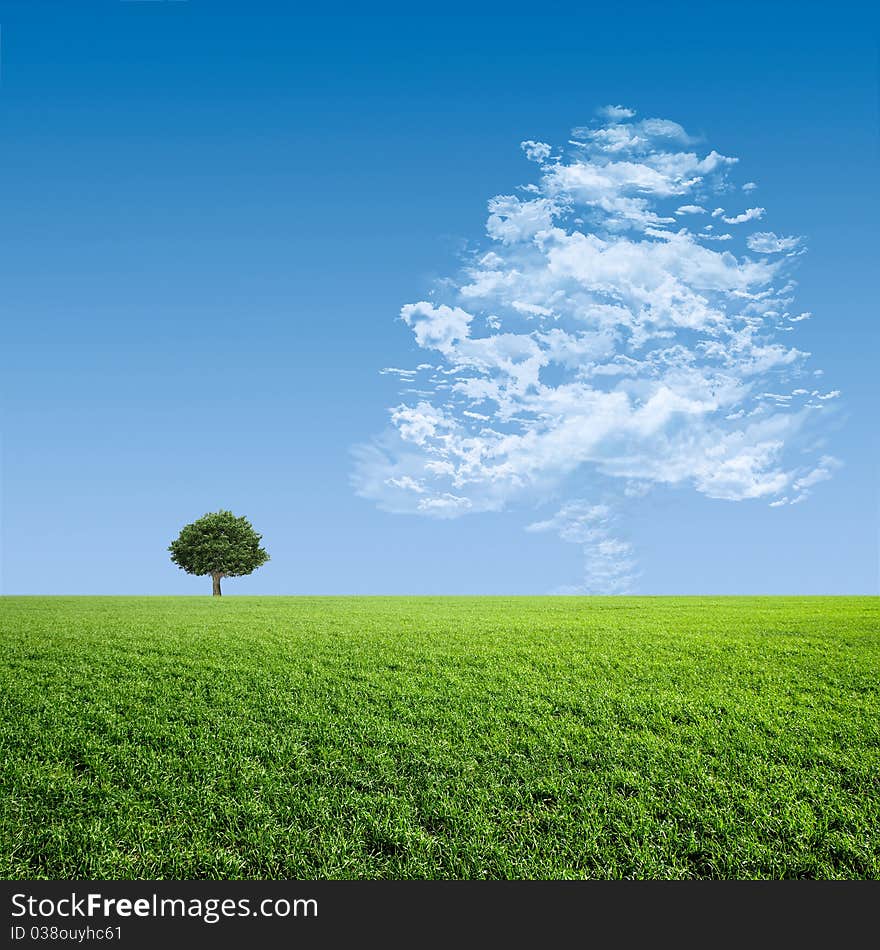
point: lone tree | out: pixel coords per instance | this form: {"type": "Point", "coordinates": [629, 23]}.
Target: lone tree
{"type": "Point", "coordinates": [218, 544]}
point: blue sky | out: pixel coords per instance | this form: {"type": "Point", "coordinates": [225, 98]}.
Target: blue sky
{"type": "Point", "coordinates": [213, 216]}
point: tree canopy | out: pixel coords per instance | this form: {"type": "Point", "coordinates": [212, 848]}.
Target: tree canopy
{"type": "Point", "coordinates": [219, 544]}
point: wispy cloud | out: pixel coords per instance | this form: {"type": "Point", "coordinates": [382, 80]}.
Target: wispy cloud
{"type": "Point", "coordinates": [803, 484]}
{"type": "Point", "coordinates": [594, 338]}
{"type": "Point", "coordinates": [609, 566]}
{"type": "Point", "coordinates": [766, 242]}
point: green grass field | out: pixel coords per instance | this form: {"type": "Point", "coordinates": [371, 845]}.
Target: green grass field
{"type": "Point", "coordinates": [440, 738]}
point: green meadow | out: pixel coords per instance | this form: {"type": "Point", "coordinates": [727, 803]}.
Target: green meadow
{"type": "Point", "coordinates": [398, 737]}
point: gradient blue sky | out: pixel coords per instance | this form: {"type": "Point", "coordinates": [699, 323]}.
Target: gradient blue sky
{"type": "Point", "coordinates": [213, 213]}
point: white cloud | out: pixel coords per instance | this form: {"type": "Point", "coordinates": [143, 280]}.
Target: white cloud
{"type": "Point", "coordinates": [615, 112]}
{"type": "Point", "coordinates": [512, 220]}
{"type": "Point", "coordinates": [445, 505]}
{"type": "Point", "coordinates": [407, 483]}
{"type": "Point", "coordinates": [609, 566]}
{"type": "Point", "coordinates": [749, 186]}
{"type": "Point", "coordinates": [690, 209]}
{"type": "Point", "coordinates": [531, 309]}
{"type": "Point", "coordinates": [394, 371]}
{"type": "Point", "coordinates": [436, 327]}
{"type": "Point", "coordinates": [536, 151]}
{"type": "Point", "coordinates": [595, 342]}
{"type": "Point", "coordinates": [766, 242]}
{"type": "Point", "coordinates": [821, 473]}
{"type": "Point", "coordinates": [750, 214]}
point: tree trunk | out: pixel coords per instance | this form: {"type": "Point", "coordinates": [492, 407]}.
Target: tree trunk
{"type": "Point", "coordinates": [217, 592]}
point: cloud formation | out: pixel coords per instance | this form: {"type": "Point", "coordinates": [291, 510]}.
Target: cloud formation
{"type": "Point", "coordinates": [609, 566]}
{"type": "Point", "coordinates": [750, 214]}
{"type": "Point", "coordinates": [595, 346]}
{"type": "Point", "coordinates": [766, 242]}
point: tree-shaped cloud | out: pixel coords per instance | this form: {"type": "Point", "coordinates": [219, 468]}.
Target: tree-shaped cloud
{"type": "Point", "coordinates": [607, 338]}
